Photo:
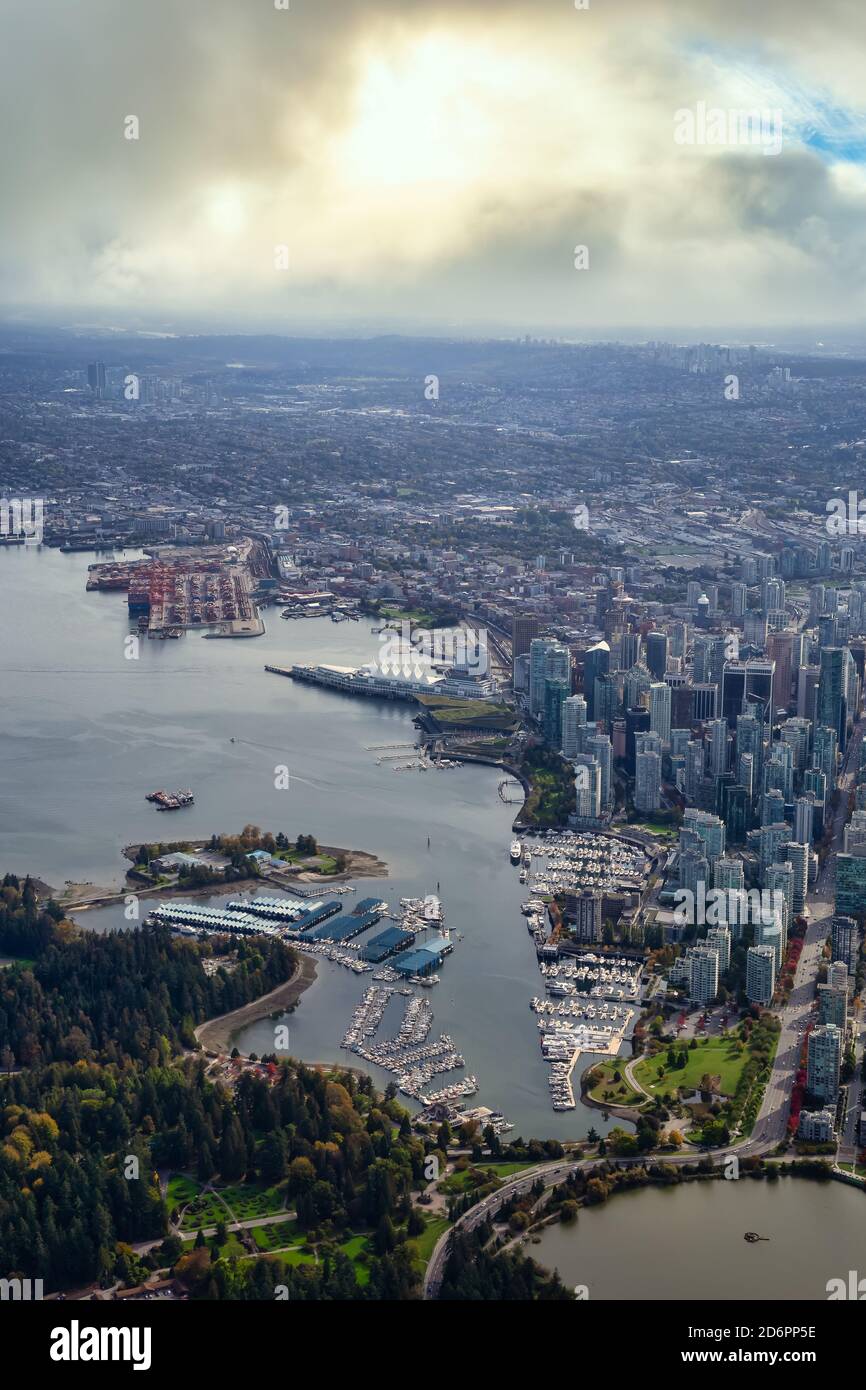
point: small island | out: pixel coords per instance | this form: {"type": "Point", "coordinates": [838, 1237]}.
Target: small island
{"type": "Point", "coordinates": [194, 867]}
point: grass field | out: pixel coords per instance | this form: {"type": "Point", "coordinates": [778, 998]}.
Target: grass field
{"type": "Point", "coordinates": [718, 1056]}
{"type": "Point", "coordinates": [610, 1091]}
{"type": "Point", "coordinates": [423, 1244]}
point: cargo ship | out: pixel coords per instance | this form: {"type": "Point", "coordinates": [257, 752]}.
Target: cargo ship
{"type": "Point", "coordinates": [171, 801]}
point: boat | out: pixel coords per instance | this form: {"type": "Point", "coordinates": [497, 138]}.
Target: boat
{"type": "Point", "coordinates": [516, 851]}
{"type": "Point", "coordinates": [171, 801]}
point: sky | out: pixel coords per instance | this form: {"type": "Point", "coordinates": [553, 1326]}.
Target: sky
{"type": "Point", "coordinates": [432, 164]}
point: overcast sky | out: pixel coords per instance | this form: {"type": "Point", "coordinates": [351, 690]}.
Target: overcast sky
{"type": "Point", "coordinates": [429, 163]}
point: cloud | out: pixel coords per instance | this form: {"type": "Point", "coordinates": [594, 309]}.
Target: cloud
{"type": "Point", "coordinates": [424, 161]}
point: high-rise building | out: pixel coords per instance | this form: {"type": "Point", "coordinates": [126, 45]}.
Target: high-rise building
{"type": "Point", "coordinates": [750, 740]}
{"type": "Point", "coordinates": [771, 840]}
{"type": "Point", "coordinates": [760, 677]}
{"type": "Point", "coordinates": [719, 940]}
{"type": "Point", "coordinates": [798, 858]}
{"type": "Point", "coordinates": [596, 663]}
{"type": "Point", "coordinates": [760, 974]}
{"type": "Point", "coordinates": [587, 781]}
{"type": "Point", "coordinates": [573, 720]}
{"type": "Point", "coordinates": [648, 778]}
{"type": "Point", "coordinates": [657, 654]}
{"type": "Point", "coordinates": [703, 974]}
{"type": "Point", "coordinates": [728, 873]}
{"type": "Point", "coordinates": [524, 627]}
{"type": "Point", "coordinates": [830, 709]}
{"type": "Point", "coordinates": [607, 698]}
{"type": "Point", "coordinates": [844, 940]}
{"type": "Point", "coordinates": [637, 720]}
{"type": "Point", "coordinates": [824, 1062]}
{"type": "Point", "coordinates": [833, 1003]}
{"type": "Point", "coordinates": [771, 933]}
{"type": "Point", "coordinates": [779, 878]}
{"type": "Point", "coordinates": [804, 818]}
{"type": "Point", "coordinates": [705, 701]}
{"type": "Point", "coordinates": [717, 729]}
{"type": "Point", "coordinates": [660, 709]}
{"type": "Point", "coordinates": [739, 596]}
{"type": "Point", "coordinates": [796, 734]}
{"type": "Point", "coordinates": [709, 828]}
{"type": "Point", "coordinates": [587, 907]}
{"type": "Point", "coordinates": [736, 814]}
{"type": "Point", "coordinates": [96, 378]}
{"type": "Point", "coordinates": [807, 691]}
{"type": "Point", "coordinates": [538, 649]}
{"type": "Point", "coordinates": [772, 807]}
{"type": "Point", "coordinates": [599, 747]}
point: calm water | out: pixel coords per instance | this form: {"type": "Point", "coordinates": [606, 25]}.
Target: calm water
{"type": "Point", "coordinates": [85, 733]}
{"type": "Point", "coordinates": [687, 1242]}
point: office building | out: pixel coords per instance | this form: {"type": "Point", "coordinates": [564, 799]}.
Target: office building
{"type": "Point", "coordinates": [660, 710]}
{"type": "Point", "coordinates": [596, 663]}
{"type": "Point", "coordinates": [657, 654]}
{"type": "Point", "coordinates": [524, 627]}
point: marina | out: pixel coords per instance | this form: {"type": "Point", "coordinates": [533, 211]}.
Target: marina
{"type": "Point", "coordinates": [408, 1055]}
{"type": "Point", "coordinates": [577, 860]}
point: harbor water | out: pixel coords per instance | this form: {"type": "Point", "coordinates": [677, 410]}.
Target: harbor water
{"type": "Point", "coordinates": [86, 733]}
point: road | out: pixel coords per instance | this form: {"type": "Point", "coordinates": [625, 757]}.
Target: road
{"type": "Point", "coordinates": [771, 1124]}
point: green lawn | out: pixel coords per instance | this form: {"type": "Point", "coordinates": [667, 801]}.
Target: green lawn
{"type": "Point", "coordinates": [505, 1170]}
{"type": "Point", "coordinates": [181, 1189]}
{"type": "Point", "coordinates": [423, 1245]}
{"type": "Point", "coordinates": [718, 1056]}
{"type": "Point", "coordinates": [353, 1247]}
{"type": "Point", "coordinates": [611, 1092]}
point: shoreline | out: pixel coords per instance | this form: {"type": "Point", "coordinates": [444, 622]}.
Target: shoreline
{"type": "Point", "coordinates": [215, 1034]}
{"type": "Point", "coordinates": [359, 864]}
